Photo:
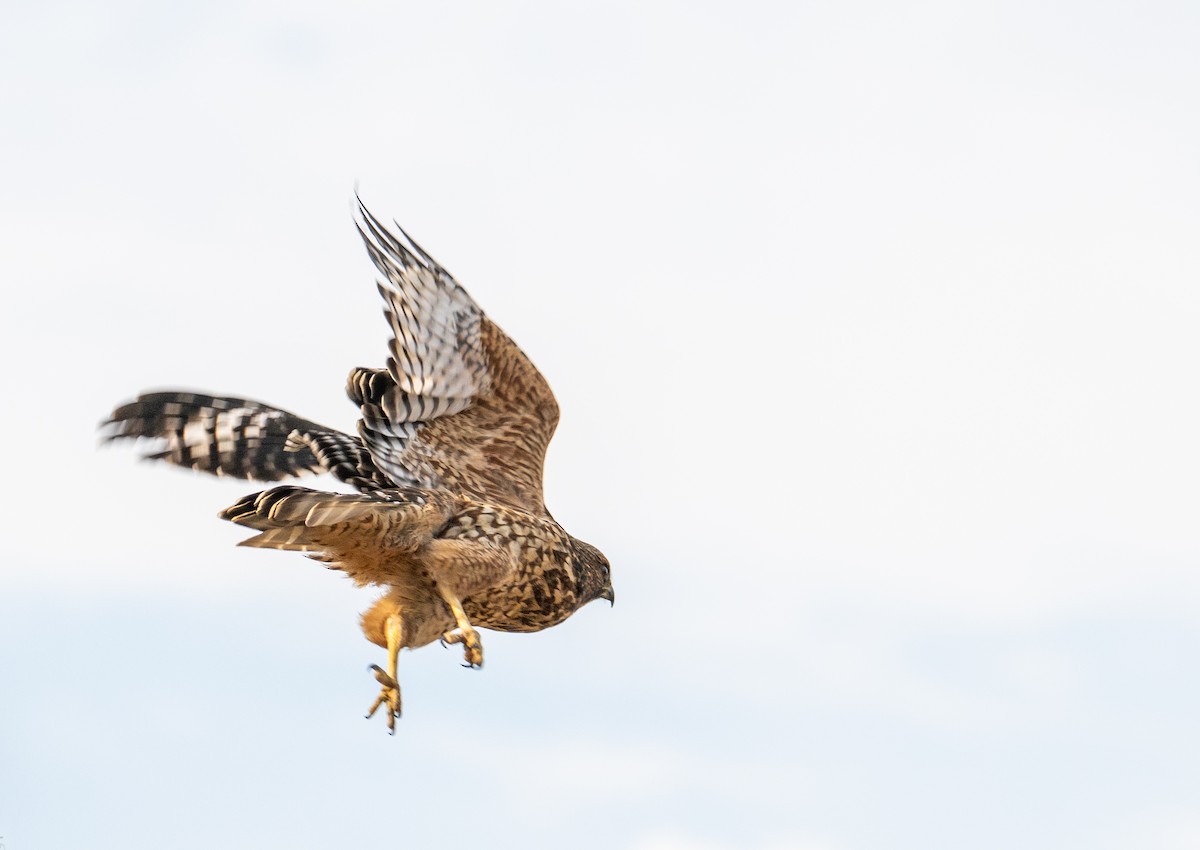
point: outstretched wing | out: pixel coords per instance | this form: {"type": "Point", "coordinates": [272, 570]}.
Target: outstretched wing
{"type": "Point", "coordinates": [361, 534]}
{"type": "Point", "coordinates": [459, 406]}
{"type": "Point", "coordinates": [241, 438]}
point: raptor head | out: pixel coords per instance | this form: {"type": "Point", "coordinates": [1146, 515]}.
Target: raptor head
{"type": "Point", "coordinates": [593, 575]}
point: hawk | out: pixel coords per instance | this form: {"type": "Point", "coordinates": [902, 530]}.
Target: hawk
{"type": "Point", "coordinates": [449, 518]}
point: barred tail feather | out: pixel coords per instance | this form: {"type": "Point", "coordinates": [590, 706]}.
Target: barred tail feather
{"type": "Point", "coordinates": [240, 437]}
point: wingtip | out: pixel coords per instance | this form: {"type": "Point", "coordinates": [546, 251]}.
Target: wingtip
{"type": "Point", "coordinates": [397, 245]}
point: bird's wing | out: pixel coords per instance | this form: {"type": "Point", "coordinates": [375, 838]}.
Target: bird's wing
{"type": "Point", "coordinates": [360, 533]}
{"type": "Point", "coordinates": [459, 405]}
{"type": "Point", "coordinates": [240, 437]}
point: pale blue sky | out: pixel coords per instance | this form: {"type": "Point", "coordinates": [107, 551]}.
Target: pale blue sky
{"type": "Point", "coordinates": [874, 327]}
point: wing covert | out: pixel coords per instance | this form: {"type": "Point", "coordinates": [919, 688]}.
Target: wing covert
{"type": "Point", "coordinates": [459, 405]}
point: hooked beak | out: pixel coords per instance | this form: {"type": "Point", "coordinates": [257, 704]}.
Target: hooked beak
{"type": "Point", "coordinates": [607, 593]}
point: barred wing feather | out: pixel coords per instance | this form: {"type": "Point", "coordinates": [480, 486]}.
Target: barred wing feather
{"type": "Point", "coordinates": [459, 405]}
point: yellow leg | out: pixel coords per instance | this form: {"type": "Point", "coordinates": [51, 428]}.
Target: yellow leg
{"type": "Point", "coordinates": [393, 629]}
{"type": "Point", "coordinates": [466, 634]}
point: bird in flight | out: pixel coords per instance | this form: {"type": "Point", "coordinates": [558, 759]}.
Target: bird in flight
{"type": "Point", "coordinates": [449, 519]}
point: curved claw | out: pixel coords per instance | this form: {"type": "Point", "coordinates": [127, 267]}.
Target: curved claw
{"type": "Point", "coordinates": [382, 677]}
{"type": "Point", "coordinates": [389, 695]}
{"type": "Point", "coordinates": [472, 648]}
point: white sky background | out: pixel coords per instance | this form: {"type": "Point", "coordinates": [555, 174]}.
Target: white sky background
{"type": "Point", "coordinates": [875, 334]}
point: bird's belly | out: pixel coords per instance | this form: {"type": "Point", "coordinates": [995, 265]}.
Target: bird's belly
{"type": "Point", "coordinates": [532, 603]}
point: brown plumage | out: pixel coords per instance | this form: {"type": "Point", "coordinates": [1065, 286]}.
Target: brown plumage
{"type": "Point", "coordinates": [449, 519]}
